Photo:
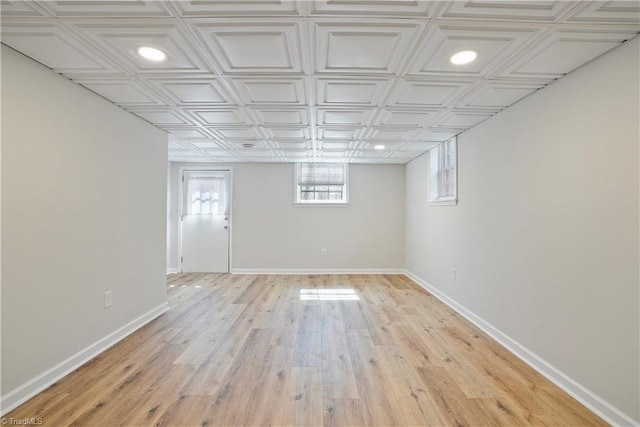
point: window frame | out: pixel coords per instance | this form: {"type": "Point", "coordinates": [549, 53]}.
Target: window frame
{"type": "Point", "coordinates": [297, 192]}
{"type": "Point", "coordinates": [437, 168]}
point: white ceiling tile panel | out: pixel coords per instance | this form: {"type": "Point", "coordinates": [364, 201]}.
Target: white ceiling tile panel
{"type": "Point", "coordinates": [351, 92]}
{"type": "Point", "coordinates": [499, 94]}
{"type": "Point", "coordinates": [362, 48]}
{"type": "Point", "coordinates": [430, 93]}
{"type": "Point", "coordinates": [336, 145]}
{"type": "Point", "coordinates": [290, 116]}
{"type": "Point", "coordinates": [514, 10]}
{"type": "Point", "coordinates": [216, 8]}
{"type": "Point", "coordinates": [339, 133]}
{"type": "Point", "coordinates": [462, 120]}
{"type": "Point", "coordinates": [162, 117]}
{"type": "Point", "coordinates": [271, 91]}
{"type": "Point", "coordinates": [412, 8]}
{"type": "Point", "coordinates": [245, 47]}
{"type": "Point", "coordinates": [564, 50]}
{"type": "Point", "coordinates": [189, 92]}
{"type": "Point", "coordinates": [105, 9]}
{"type": "Point", "coordinates": [287, 132]}
{"type": "Point", "coordinates": [609, 12]}
{"type": "Point", "coordinates": [122, 92]}
{"type": "Point", "coordinates": [220, 116]}
{"type": "Point", "coordinates": [120, 39]}
{"type": "Point", "coordinates": [321, 80]}
{"type": "Point", "coordinates": [411, 118]}
{"type": "Point", "coordinates": [493, 44]}
{"type": "Point", "coordinates": [287, 146]}
{"type": "Point", "coordinates": [389, 134]}
{"type": "Point", "coordinates": [237, 133]}
{"type": "Point", "coordinates": [53, 45]}
{"type": "Point", "coordinates": [189, 133]}
{"type": "Point", "coordinates": [342, 117]}
{"type": "Point", "coordinates": [21, 8]}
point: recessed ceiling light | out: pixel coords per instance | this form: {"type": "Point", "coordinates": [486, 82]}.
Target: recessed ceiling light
{"type": "Point", "coordinates": [464, 57]}
{"type": "Point", "coordinates": [151, 53]}
{"type": "Point", "coordinates": [379, 147]}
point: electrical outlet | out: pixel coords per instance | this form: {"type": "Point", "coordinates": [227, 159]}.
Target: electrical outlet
{"type": "Point", "coordinates": [107, 299]}
{"type": "Point", "coordinates": [323, 251]}
{"type": "Point", "coordinates": [453, 273]}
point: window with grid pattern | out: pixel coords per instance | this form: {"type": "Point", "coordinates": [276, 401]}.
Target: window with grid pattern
{"type": "Point", "coordinates": [443, 185]}
{"type": "Point", "coordinates": [321, 183]}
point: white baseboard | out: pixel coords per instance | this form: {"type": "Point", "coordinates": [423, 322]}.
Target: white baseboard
{"type": "Point", "coordinates": [172, 270]}
{"type": "Point", "coordinates": [595, 403]}
{"type": "Point", "coordinates": [293, 271]}
{"type": "Point", "coordinates": [26, 391]}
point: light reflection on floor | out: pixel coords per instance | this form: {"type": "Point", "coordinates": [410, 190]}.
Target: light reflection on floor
{"type": "Point", "coordinates": [328, 295]}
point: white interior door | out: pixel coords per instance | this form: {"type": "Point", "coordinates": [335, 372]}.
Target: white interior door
{"type": "Point", "coordinates": [205, 222]}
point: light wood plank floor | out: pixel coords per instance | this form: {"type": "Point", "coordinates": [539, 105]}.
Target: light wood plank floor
{"type": "Point", "coordinates": [247, 350]}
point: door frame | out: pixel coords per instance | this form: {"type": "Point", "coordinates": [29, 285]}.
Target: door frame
{"type": "Point", "coordinates": [230, 205]}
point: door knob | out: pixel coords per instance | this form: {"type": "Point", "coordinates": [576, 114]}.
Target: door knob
{"type": "Point", "coordinates": [225, 227]}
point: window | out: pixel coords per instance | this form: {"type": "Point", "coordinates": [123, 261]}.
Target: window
{"type": "Point", "coordinates": [206, 195]}
{"type": "Point", "coordinates": [443, 183]}
{"type": "Point", "coordinates": [321, 183]}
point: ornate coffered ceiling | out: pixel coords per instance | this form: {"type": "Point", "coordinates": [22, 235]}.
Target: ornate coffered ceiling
{"type": "Point", "coordinates": [327, 80]}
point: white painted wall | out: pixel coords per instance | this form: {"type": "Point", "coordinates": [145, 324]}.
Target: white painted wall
{"type": "Point", "coordinates": [84, 211]}
{"type": "Point", "coordinates": [545, 235]}
{"type": "Point", "coordinates": [269, 232]}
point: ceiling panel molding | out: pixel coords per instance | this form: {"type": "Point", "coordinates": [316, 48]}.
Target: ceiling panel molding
{"type": "Point", "coordinates": [265, 91]}
{"type": "Point", "coordinates": [52, 44]}
{"type": "Point", "coordinates": [21, 9]}
{"type": "Point", "coordinates": [351, 92]}
{"type": "Point", "coordinates": [191, 133]}
{"type": "Point", "coordinates": [220, 116]}
{"type": "Point", "coordinates": [406, 118]}
{"type": "Point", "coordinates": [162, 117]}
{"type": "Point", "coordinates": [120, 39]}
{"type": "Point", "coordinates": [514, 10]}
{"type": "Point", "coordinates": [563, 50]}
{"type": "Point", "coordinates": [496, 95]}
{"type": "Point", "coordinates": [461, 119]}
{"type": "Point", "coordinates": [397, 8]}
{"type": "Point", "coordinates": [331, 144]}
{"type": "Point", "coordinates": [105, 9]}
{"type": "Point", "coordinates": [248, 47]}
{"type": "Point", "coordinates": [373, 48]}
{"type": "Point", "coordinates": [343, 116]}
{"type": "Point", "coordinates": [430, 93]}
{"type": "Point", "coordinates": [608, 12]}
{"type": "Point", "coordinates": [389, 135]}
{"type": "Point", "coordinates": [317, 80]}
{"type": "Point", "coordinates": [125, 93]}
{"type": "Point", "coordinates": [288, 146]}
{"type": "Point", "coordinates": [216, 8]}
{"type": "Point", "coordinates": [287, 133]}
{"type": "Point", "coordinates": [188, 92]}
{"type": "Point", "coordinates": [281, 116]}
{"type": "Point", "coordinates": [494, 46]}
{"type": "Point", "coordinates": [340, 133]}
{"type": "Point", "coordinates": [229, 133]}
